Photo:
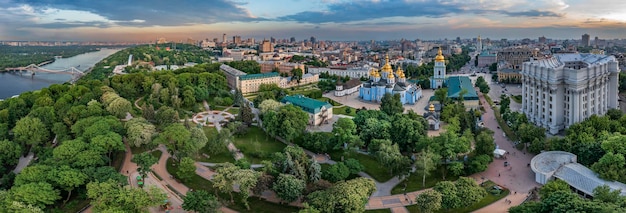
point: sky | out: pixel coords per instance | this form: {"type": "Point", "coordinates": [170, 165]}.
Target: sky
{"type": "Point", "coordinates": [146, 20]}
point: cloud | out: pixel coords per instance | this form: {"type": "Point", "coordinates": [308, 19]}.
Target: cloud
{"type": "Point", "coordinates": [150, 13]}
{"type": "Point", "coordinates": [533, 13]}
{"type": "Point", "coordinates": [341, 12]}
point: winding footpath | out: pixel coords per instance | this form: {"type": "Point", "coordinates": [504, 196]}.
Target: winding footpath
{"type": "Point", "coordinates": [519, 181]}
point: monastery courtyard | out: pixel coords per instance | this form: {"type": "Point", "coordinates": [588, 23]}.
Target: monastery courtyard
{"type": "Point", "coordinates": [354, 101]}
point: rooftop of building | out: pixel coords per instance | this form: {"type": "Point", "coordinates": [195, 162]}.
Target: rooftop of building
{"type": "Point", "coordinates": [507, 70]}
{"type": "Point", "coordinates": [559, 60]}
{"type": "Point", "coordinates": [563, 165]}
{"type": "Point", "coordinates": [258, 76]}
{"type": "Point", "coordinates": [487, 54]}
{"type": "Point", "coordinates": [307, 104]}
{"type": "Point", "coordinates": [456, 84]}
{"type": "Point", "coordinates": [231, 71]}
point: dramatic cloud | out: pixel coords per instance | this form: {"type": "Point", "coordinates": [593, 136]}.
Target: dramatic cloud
{"type": "Point", "coordinates": [340, 12]}
{"type": "Point", "coordinates": [144, 12]}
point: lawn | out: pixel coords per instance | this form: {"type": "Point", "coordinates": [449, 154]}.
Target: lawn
{"type": "Point", "coordinates": [372, 167]}
{"type": "Point", "coordinates": [332, 102]}
{"type": "Point", "coordinates": [233, 110]}
{"type": "Point", "coordinates": [517, 98]}
{"type": "Point", "coordinates": [342, 111]}
{"type": "Point", "coordinates": [507, 130]}
{"type": "Point", "coordinates": [222, 157]}
{"type": "Point", "coordinates": [414, 182]}
{"type": "Point", "coordinates": [156, 154]}
{"type": "Point", "coordinates": [489, 199]}
{"type": "Point", "coordinates": [256, 145]}
{"type": "Point", "coordinates": [256, 205]}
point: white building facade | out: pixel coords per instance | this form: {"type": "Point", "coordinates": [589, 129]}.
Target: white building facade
{"type": "Point", "coordinates": [568, 88]}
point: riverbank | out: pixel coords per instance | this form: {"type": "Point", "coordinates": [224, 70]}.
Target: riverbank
{"type": "Point", "coordinates": [12, 83]}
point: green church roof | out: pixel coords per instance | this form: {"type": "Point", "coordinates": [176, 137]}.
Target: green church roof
{"type": "Point", "coordinates": [258, 76]}
{"type": "Point", "coordinates": [456, 84]}
{"type": "Point", "coordinates": [307, 104]}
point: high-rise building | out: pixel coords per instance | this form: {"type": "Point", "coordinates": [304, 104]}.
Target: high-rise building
{"type": "Point", "coordinates": [313, 40]}
{"type": "Point", "coordinates": [273, 40]}
{"type": "Point", "coordinates": [237, 39]}
{"type": "Point", "coordinates": [293, 39]}
{"type": "Point", "coordinates": [224, 38]}
{"type": "Point", "coordinates": [479, 44]}
{"type": "Point", "coordinates": [542, 40]}
{"type": "Point", "coordinates": [585, 40]}
{"type": "Point", "coordinates": [568, 88]}
{"type": "Point", "coordinates": [266, 46]}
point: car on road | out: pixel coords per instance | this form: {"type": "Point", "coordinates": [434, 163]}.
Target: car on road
{"type": "Point", "coordinates": [506, 163]}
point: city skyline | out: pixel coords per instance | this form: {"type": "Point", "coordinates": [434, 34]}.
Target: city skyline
{"type": "Point", "coordinates": [116, 20]}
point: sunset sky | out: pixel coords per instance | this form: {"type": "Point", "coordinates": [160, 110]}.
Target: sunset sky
{"type": "Point", "coordinates": [142, 20]}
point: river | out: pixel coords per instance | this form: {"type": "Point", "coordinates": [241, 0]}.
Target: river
{"type": "Point", "coordinates": [13, 83]}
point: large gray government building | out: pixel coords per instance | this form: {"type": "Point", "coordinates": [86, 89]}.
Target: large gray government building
{"type": "Point", "coordinates": [568, 88]}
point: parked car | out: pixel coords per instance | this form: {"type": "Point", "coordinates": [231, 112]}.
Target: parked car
{"type": "Point", "coordinates": [506, 163]}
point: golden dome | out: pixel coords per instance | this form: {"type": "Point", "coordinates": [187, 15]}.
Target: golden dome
{"type": "Point", "coordinates": [439, 57]}
{"type": "Point", "coordinates": [390, 75]}
{"type": "Point", "coordinates": [375, 73]}
{"type": "Point", "coordinates": [387, 67]}
{"type": "Point", "coordinates": [400, 72]}
{"type": "Point", "coordinates": [431, 108]}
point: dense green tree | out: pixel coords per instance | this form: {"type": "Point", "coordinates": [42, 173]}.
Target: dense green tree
{"type": "Point", "coordinates": [186, 169]}
{"type": "Point", "coordinates": [336, 172]}
{"type": "Point", "coordinates": [611, 167]}
{"type": "Point", "coordinates": [315, 171]}
{"type": "Point", "coordinates": [448, 190]}
{"type": "Point", "coordinates": [375, 129]}
{"type": "Point", "coordinates": [553, 186]}
{"type": "Point", "coordinates": [264, 183]}
{"type": "Point", "coordinates": [482, 85]}
{"type": "Point", "coordinates": [110, 196]}
{"type": "Point", "coordinates": [429, 201]}
{"type": "Point", "coordinates": [484, 143]}
{"type": "Point", "coordinates": [288, 123]}
{"type": "Point", "coordinates": [354, 166]}
{"type": "Point", "coordinates": [348, 196]}
{"type": "Point", "coordinates": [144, 161]}
{"type": "Point", "coordinates": [223, 180]}
{"type": "Point", "coordinates": [288, 188]}
{"type": "Point", "coordinates": [69, 178]}
{"type": "Point", "coordinates": [479, 163]}
{"type": "Point", "coordinates": [30, 131]}
{"type": "Point", "coordinates": [345, 133]}
{"type": "Point", "coordinates": [197, 141]}
{"type": "Point", "coordinates": [178, 140]}
{"type": "Point", "coordinates": [38, 194]}
{"type": "Point", "coordinates": [505, 101]}
{"type": "Point", "coordinates": [407, 132]}
{"type": "Point", "coordinates": [139, 132]}
{"type": "Point", "coordinates": [166, 115]}
{"type": "Point", "coordinates": [201, 201]}
{"type": "Point", "coordinates": [108, 143]}
{"type": "Point", "coordinates": [441, 95]}
{"type": "Point", "coordinates": [9, 153]}
{"type": "Point", "coordinates": [391, 104]}
{"type": "Point", "coordinates": [469, 191]}
{"type": "Point", "coordinates": [104, 173]}
{"type": "Point", "coordinates": [427, 162]}
{"type": "Point", "coordinates": [319, 142]}
{"type": "Point", "coordinates": [391, 158]}
{"type": "Point", "coordinates": [605, 194]}
{"type": "Point", "coordinates": [245, 115]}
{"type": "Point", "coordinates": [246, 179]}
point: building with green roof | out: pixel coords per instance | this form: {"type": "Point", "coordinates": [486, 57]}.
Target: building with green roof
{"type": "Point", "coordinates": [319, 112]}
{"type": "Point", "coordinates": [455, 86]}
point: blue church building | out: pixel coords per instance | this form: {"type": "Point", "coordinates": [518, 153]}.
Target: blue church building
{"type": "Point", "coordinates": [388, 82]}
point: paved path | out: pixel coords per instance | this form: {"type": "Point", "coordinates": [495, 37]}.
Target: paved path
{"type": "Point", "coordinates": [23, 162]}
{"type": "Point", "coordinates": [520, 180]}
